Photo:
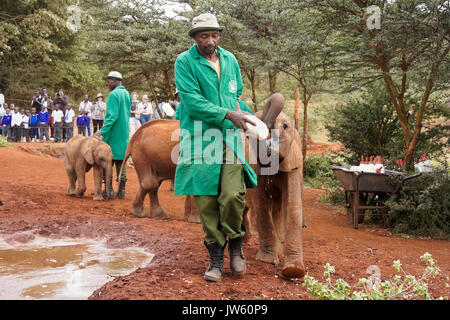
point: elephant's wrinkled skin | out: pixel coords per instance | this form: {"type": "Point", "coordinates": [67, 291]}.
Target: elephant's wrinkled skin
{"type": "Point", "coordinates": [276, 203]}
{"type": "Point", "coordinates": [80, 155]}
{"type": "Point", "coordinates": [153, 148]}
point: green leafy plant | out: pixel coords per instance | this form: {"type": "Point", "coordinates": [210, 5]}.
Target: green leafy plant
{"type": "Point", "coordinates": [318, 174]}
{"type": "Point", "coordinates": [402, 286]}
{"type": "Point", "coordinates": [3, 142]}
{"type": "Point", "coordinates": [422, 207]}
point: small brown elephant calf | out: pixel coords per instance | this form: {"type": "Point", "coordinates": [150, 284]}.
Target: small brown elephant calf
{"type": "Point", "coordinates": [80, 155]}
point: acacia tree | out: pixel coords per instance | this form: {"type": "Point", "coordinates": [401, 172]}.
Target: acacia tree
{"type": "Point", "coordinates": [250, 30]}
{"type": "Point", "coordinates": [405, 43]}
{"type": "Point", "coordinates": [301, 53]}
{"type": "Point", "coordinates": [136, 37]}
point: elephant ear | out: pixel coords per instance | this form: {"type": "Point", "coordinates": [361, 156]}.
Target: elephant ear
{"type": "Point", "coordinates": [87, 150]}
{"type": "Point", "coordinates": [294, 158]}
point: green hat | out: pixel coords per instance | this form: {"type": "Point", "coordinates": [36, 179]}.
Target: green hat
{"type": "Point", "coordinates": [204, 22]}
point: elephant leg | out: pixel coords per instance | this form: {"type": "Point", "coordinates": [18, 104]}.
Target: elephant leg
{"type": "Point", "coordinates": [98, 177]}
{"type": "Point", "coordinates": [267, 247]}
{"type": "Point", "coordinates": [279, 227]}
{"type": "Point", "coordinates": [81, 175]}
{"type": "Point", "coordinates": [190, 210]}
{"type": "Point", "coordinates": [81, 184]}
{"type": "Point", "coordinates": [292, 208]}
{"type": "Point", "coordinates": [72, 181]}
{"type": "Point", "coordinates": [156, 212]}
{"type": "Point", "coordinates": [137, 208]}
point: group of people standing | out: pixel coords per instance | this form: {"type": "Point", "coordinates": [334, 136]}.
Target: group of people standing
{"type": "Point", "coordinates": [144, 111]}
{"type": "Point", "coordinates": [91, 112]}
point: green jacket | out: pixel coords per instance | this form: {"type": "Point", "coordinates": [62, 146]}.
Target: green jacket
{"type": "Point", "coordinates": [205, 102]}
{"type": "Point", "coordinates": [115, 130]}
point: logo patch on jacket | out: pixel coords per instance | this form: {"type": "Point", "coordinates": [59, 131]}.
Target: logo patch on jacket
{"type": "Point", "coordinates": [232, 86]}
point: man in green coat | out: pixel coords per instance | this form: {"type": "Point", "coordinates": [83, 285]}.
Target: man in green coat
{"type": "Point", "coordinates": [115, 131]}
{"type": "Point", "coordinates": [209, 83]}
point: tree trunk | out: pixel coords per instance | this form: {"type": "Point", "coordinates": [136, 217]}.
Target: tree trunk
{"type": "Point", "coordinates": [168, 86]}
{"type": "Point", "coordinates": [156, 100]}
{"type": "Point", "coordinates": [251, 75]}
{"type": "Point", "coordinates": [272, 81]}
{"type": "Point", "coordinates": [305, 100]}
{"type": "Point", "coordinates": [297, 102]}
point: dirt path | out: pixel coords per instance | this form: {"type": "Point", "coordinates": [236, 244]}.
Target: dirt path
{"type": "Point", "coordinates": [33, 201]}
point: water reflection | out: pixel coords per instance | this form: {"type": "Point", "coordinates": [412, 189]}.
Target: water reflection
{"type": "Point", "coordinates": [63, 269]}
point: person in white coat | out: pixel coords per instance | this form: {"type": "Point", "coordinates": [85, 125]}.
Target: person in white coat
{"type": "Point", "coordinates": [134, 114]}
{"type": "Point", "coordinates": [98, 111]}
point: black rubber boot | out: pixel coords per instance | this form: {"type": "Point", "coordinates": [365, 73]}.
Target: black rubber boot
{"type": "Point", "coordinates": [214, 272]}
{"type": "Point", "coordinates": [121, 191]}
{"type": "Point", "coordinates": [108, 194]}
{"type": "Point", "coordinates": [237, 258]}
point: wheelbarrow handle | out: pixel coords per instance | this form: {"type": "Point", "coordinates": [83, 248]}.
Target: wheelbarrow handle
{"type": "Point", "coordinates": [412, 177]}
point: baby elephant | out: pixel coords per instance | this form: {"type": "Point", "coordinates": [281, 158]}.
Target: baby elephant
{"type": "Point", "coordinates": [80, 155]}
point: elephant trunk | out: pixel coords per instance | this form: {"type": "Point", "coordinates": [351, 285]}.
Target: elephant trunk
{"type": "Point", "coordinates": [272, 109]}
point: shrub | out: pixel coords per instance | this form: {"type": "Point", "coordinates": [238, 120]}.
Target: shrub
{"type": "Point", "coordinates": [365, 125]}
{"type": "Point", "coordinates": [421, 207]}
{"type": "Point", "coordinates": [368, 125]}
{"type": "Point", "coordinates": [317, 174]}
{"type": "Point", "coordinates": [3, 141]}
{"type": "Point", "coordinates": [401, 286]}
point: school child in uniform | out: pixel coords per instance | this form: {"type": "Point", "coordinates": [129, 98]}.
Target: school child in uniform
{"type": "Point", "coordinates": [82, 124]}
{"type": "Point", "coordinates": [43, 118]}
{"type": "Point", "coordinates": [34, 125]}
{"type": "Point", "coordinates": [25, 126]}
{"type": "Point", "coordinates": [6, 125]}
{"type": "Point", "coordinates": [68, 122]}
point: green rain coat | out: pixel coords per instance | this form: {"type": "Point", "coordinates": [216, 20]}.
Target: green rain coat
{"type": "Point", "coordinates": [206, 102]}
{"type": "Point", "coordinates": [115, 130]}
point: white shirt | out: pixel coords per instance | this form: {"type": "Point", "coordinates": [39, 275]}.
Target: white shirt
{"type": "Point", "coordinates": [25, 121]}
{"type": "Point", "coordinates": [70, 114]}
{"type": "Point", "coordinates": [2, 111]}
{"type": "Point", "coordinates": [98, 109]}
{"type": "Point", "coordinates": [85, 108]}
{"type": "Point", "coordinates": [144, 108]}
{"type": "Point", "coordinates": [57, 116]}
{"type": "Point", "coordinates": [16, 119]}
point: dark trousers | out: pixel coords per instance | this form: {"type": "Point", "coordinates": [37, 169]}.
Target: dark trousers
{"type": "Point", "coordinates": [16, 130]}
{"type": "Point", "coordinates": [26, 133]}
{"type": "Point", "coordinates": [34, 133]}
{"type": "Point", "coordinates": [68, 131]}
{"type": "Point", "coordinates": [82, 130]}
{"type": "Point", "coordinates": [6, 133]}
{"type": "Point", "coordinates": [43, 132]}
{"type": "Point", "coordinates": [58, 131]}
{"type": "Point", "coordinates": [98, 124]}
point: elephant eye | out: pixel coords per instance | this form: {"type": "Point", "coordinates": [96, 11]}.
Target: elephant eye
{"type": "Point", "coordinates": [285, 126]}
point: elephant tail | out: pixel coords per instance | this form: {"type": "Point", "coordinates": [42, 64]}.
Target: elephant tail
{"type": "Point", "coordinates": [124, 162]}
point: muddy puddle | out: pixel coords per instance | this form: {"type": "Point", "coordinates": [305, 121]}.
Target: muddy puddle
{"type": "Point", "coordinates": [63, 269]}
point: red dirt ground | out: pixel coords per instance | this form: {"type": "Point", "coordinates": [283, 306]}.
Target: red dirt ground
{"type": "Point", "coordinates": [33, 201]}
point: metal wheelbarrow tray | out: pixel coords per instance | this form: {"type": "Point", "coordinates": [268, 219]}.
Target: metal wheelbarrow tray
{"type": "Point", "coordinates": [358, 186]}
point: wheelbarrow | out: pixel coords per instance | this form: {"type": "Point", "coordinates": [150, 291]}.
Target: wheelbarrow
{"type": "Point", "coordinates": [368, 191]}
